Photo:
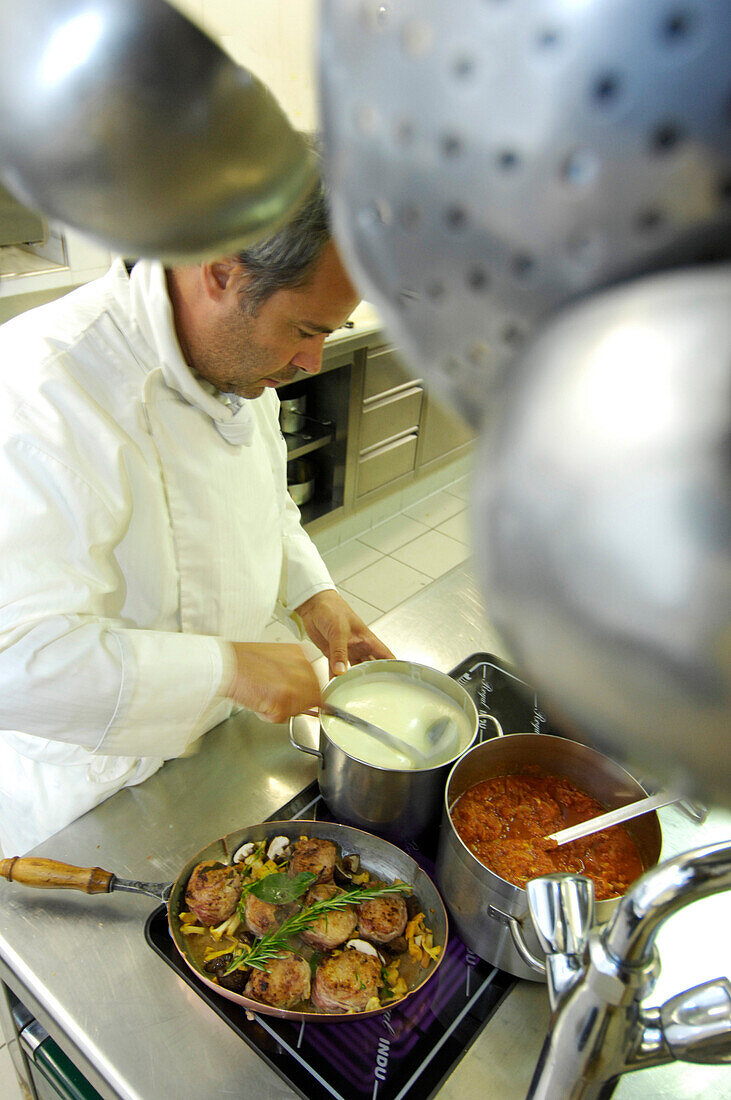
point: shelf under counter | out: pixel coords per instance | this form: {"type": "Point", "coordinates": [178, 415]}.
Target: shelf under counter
{"type": "Point", "coordinates": [303, 443]}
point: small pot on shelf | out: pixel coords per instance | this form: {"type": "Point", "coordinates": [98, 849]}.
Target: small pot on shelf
{"type": "Point", "coordinates": [300, 481]}
{"type": "Point", "coordinates": [292, 414]}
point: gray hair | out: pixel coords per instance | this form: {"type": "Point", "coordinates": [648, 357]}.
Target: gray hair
{"type": "Point", "coordinates": [287, 258]}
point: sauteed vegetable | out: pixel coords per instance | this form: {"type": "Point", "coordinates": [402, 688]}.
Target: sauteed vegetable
{"type": "Point", "coordinates": [297, 925]}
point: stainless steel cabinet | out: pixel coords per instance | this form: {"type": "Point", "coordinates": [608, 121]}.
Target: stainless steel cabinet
{"type": "Point", "coordinates": [46, 1072]}
{"type": "Point", "coordinates": [384, 418]}
{"type": "Point", "coordinates": [442, 431]}
{"type": "Point", "coordinates": [384, 429]}
{"type": "Point", "coordinates": [386, 463]}
{"type": "Point", "coordinates": [385, 373]}
{"type": "Point", "coordinates": [400, 428]}
{"type": "Point", "coordinates": [387, 421]}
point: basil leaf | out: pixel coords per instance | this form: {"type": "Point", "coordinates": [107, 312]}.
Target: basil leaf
{"type": "Point", "coordinates": [278, 889]}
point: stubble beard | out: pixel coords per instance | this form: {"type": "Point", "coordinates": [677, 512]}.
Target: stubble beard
{"type": "Point", "coordinates": [234, 364]}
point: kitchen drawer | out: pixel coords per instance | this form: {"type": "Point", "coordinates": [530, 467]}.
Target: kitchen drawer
{"type": "Point", "coordinates": [386, 463]}
{"type": "Point", "coordinates": [389, 416]}
{"type": "Point", "coordinates": [384, 371]}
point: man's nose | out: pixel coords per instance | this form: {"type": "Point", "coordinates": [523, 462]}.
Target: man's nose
{"type": "Point", "coordinates": [309, 358]}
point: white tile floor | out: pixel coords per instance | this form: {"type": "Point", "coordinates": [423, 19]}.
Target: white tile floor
{"type": "Point", "coordinates": [383, 565]}
{"type": "Point", "coordinates": [390, 562]}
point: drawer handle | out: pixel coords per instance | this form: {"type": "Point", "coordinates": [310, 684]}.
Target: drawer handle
{"type": "Point", "coordinates": [388, 444]}
{"type": "Point", "coordinates": [407, 389]}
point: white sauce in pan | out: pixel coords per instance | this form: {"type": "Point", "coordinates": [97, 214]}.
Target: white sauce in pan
{"type": "Point", "coordinates": [400, 706]}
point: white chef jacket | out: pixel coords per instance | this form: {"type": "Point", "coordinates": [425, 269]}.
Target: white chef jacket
{"type": "Point", "coordinates": [144, 526]}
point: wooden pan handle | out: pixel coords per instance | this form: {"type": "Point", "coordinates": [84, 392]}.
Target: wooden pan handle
{"type": "Point", "coordinates": [48, 874]}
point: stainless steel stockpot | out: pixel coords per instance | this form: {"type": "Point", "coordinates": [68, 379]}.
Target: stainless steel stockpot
{"type": "Point", "coordinates": [395, 803]}
{"type": "Point", "coordinates": [490, 914]}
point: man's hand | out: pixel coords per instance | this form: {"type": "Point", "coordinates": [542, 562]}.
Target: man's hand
{"type": "Point", "coordinates": [338, 632]}
{"type": "Point", "coordinates": [275, 681]}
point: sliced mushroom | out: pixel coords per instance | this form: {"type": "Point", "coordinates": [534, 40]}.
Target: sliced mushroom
{"type": "Point", "coordinates": [365, 948]}
{"type": "Point", "coordinates": [244, 852]}
{"type": "Point", "coordinates": [235, 981]}
{"type": "Point", "coordinates": [345, 868]}
{"type": "Point", "coordinates": [279, 848]}
{"type": "Point", "coordinates": [413, 906]}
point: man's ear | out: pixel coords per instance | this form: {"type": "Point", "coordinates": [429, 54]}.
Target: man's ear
{"type": "Point", "coordinates": [218, 278]}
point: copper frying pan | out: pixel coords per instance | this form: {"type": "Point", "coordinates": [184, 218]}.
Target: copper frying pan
{"type": "Point", "coordinates": [382, 859]}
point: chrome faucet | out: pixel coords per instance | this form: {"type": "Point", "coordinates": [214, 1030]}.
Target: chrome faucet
{"type": "Point", "coordinates": [598, 977]}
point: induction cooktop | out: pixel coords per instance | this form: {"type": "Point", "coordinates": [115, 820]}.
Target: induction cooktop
{"type": "Point", "coordinates": [407, 1052]}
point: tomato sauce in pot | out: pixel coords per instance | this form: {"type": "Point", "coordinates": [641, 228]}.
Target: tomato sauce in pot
{"type": "Point", "coordinates": [504, 820]}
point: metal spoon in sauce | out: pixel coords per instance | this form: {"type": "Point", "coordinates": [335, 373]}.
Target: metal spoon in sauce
{"type": "Point", "coordinates": [435, 736]}
{"type": "Point", "coordinates": [418, 758]}
{"type": "Point", "coordinates": [614, 817]}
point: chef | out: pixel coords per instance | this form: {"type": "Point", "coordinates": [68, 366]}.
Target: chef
{"type": "Point", "coordinates": [146, 534]}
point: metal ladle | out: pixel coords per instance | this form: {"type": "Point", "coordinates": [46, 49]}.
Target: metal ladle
{"type": "Point", "coordinates": [124, 120]}
{"type": "Point", "coordinates": [614, 817]}
{"type": "Point", "coordinates": [434, 735]}
{"type": "Point", "coordinates": [414, 755]}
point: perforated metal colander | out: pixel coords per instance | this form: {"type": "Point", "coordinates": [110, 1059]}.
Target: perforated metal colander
{"type": "Point", "coordinates": [507, 177]}
{"type": "Point", "coordinates": [493, 159]}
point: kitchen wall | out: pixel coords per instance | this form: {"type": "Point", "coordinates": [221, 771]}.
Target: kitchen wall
{"type": "Point", "coordinates": [24, 276]}
{"type": "Point", "coordinates": [274, 39]}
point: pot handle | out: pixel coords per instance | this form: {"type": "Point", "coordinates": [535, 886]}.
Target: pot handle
{"type": "Point", "coordinates": [297, 744]}
{"type": "Point", "coordinates": [516, 934]}
{"type": "Point", "coordinates": [696, 811]}
{"type": "Point", "coordinates": [491, 718]}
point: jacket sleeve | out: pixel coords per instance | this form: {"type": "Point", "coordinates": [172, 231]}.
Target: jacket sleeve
{"type": "Point", "coordinates": [304, 573]}
{"type": "Point", "coordinates": [71, 668]}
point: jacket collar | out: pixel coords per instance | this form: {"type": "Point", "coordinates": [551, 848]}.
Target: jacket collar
{"type": "Point", "coordinates": [152, 312]}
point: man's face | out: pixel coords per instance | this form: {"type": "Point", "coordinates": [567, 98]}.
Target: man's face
{"type": "Point", "coordinates": [244, 353]}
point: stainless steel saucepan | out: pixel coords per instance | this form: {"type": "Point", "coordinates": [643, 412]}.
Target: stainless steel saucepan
{"type": "Point", "coordinates": [397, 803]}
{"type": "Point", "coordinates": [490, 914]}
{"type": "Point", "coordinates": [383, 860]}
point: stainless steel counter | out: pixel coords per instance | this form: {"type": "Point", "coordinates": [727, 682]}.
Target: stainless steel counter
{"type": "Point", "coordinates": [82, 965]}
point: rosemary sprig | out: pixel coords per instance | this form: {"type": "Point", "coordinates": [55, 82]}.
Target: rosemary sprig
{"type": "Point", "coordinates": [273, 944]}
